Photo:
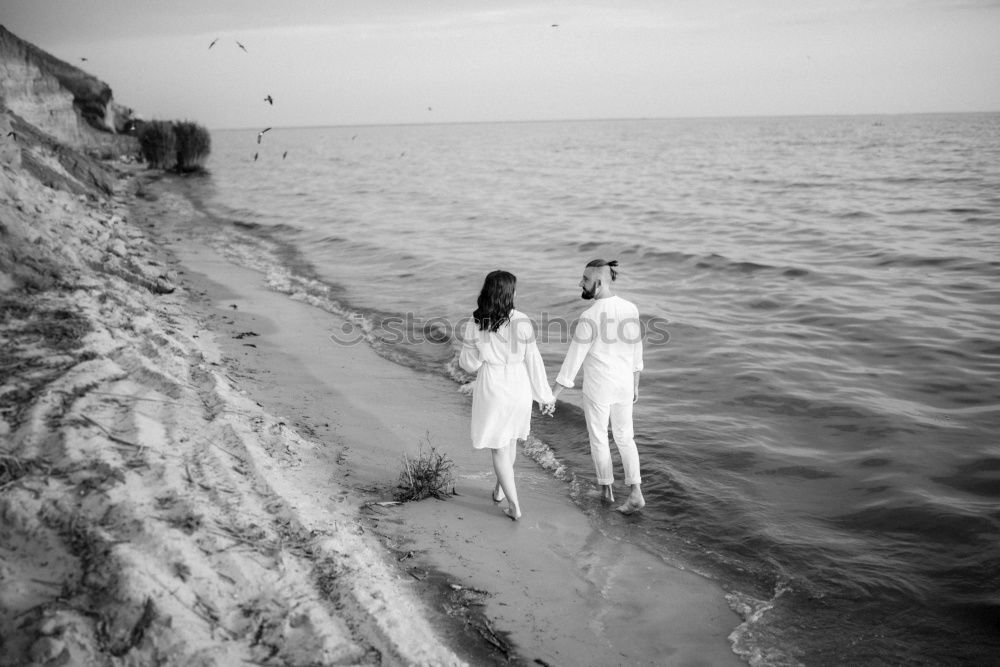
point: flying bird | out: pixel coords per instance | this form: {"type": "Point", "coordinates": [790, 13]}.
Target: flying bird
{"type": "Point", "coordinates": [213, 42]}
{"type": "Point", "coordinates": [555, 25]}
{"type": "Point", "coordinates": [241, 46]}
{"type": "Point", "coordinates": [269, 100]}
{"type": "Point", "coordinates": [260, 135]}
{"type": "Point", "coordinates": [83, 59]}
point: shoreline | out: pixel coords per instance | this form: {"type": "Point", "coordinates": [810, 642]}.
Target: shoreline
{"type": "Point", "coordinates": [196, 475]}
{"type": "Point", "coordinates": [383, 409]}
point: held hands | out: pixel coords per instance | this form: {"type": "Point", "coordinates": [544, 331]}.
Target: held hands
{"type": "Point", "coordinates": [549, 409]}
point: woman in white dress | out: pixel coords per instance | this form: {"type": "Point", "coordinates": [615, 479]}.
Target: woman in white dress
{"type": "Point", "coordinates": [499, 346]}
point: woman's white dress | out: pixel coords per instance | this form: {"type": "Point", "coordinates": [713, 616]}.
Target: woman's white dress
{"type": "Point", "coordinates": [509, 375]}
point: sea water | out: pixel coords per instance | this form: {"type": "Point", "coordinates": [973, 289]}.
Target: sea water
{"type": "Point", "coordinates": [820, 403]}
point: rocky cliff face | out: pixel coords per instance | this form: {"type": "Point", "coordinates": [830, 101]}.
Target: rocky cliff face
{"type": "Point", "coordinates": [57, 97]}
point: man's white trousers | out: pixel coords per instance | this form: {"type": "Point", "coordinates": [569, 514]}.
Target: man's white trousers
{"type": "Point", "coordinates": [619, 415]}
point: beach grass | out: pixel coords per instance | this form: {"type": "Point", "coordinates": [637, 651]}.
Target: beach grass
{"type": "Point", "coordinates": [428, 475]}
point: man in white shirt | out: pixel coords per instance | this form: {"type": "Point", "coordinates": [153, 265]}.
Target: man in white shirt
{"type": "Point", "coordinates": [607, 344]}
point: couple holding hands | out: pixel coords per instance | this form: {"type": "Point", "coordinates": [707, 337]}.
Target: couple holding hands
{"type": "Point", "coordinates": [499, 346]}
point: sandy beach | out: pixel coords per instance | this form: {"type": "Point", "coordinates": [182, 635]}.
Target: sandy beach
{"type": "Point", "coordinates": [542, 589]}
{"type": "Point", "coordinates": [193, 472]}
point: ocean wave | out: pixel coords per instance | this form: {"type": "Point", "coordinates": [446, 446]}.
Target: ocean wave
{"type": "Point", "coordinates": [854, 215]}
{"type": "Point", "coordinates": [546, 458]}
{"type": "Point", "coordinates": [666, 256]}
{"type": "Point", "coordinates": [862, 417]}
{"type": "Point", "coordinates": [936, 179]}
{"type": "Point", "coordinates": [717, 262]}
{"type": "Point", "coordinates": [746, 639]}
{"type": "Point", "coordinates": [951, 262]}
{"type": "Point", "coordinates": [946, 520]}
{"type": "Point", "coordinates": [981, 220]}
{"type": "Point", "coordinates": [980, 477]}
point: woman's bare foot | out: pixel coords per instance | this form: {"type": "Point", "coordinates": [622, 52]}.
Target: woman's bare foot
{"type": "Point", "coordinates": [513, 511]}
{"type": "Point", "coordinates": [498, 494]}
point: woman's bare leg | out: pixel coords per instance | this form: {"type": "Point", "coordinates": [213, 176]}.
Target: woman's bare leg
{"type": "Point", "coordinates": [503, 466]}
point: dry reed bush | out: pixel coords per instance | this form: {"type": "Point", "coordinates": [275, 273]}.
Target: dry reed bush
{"type": "Point", "coordinates": [427, 475]}
{"type": "Point", "coordinates": [158, 144]}
{"type": "Point", "coordinates": [182, 146]}
{"type": "Point", "coordinates": [193, 146]}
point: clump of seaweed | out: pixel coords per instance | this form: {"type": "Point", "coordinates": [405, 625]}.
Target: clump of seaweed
{"type": "Point", "coordinates": [427, 475]}
{"type": "Point", "coordinates": [26, 327]}
{"type": "Point", "coordinates": [13, 468]}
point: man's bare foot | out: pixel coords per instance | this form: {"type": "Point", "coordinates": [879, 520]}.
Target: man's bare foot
{"type": "Point", "coordinates": [634, 503]}
{"type": "Point", "coordinates": [631, 507]}
{"type": "Point", "coordinates": [498, 494]}
{"type": "Point", "coordinates": [513, 511]}
{"type": "Point", "coordinates": [607, 494]}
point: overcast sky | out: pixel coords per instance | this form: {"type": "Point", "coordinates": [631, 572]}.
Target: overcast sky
{"type": "Point", "coordinates": [345, 62]}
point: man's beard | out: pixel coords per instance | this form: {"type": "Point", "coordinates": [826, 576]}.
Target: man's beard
{"type": "Point", "coordinates": [589, 293]}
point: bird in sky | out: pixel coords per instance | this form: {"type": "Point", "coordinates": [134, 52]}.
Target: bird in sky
{"type": "Point", "coordinates": [260, 135]}
{"type": "Point", "coordinates": [83, 59]}
{"type": "Point", "coordinates": [213, 42]}
{"type": "Point", "coordinates": [555, 25]}
{"type": "Point", "coordinates": [241, 46]}
{"type": "Point", "coordinates": [269, 100]}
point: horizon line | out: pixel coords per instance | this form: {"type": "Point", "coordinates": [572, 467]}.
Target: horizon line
{"type": "Point", "coordinates": [617, 119]}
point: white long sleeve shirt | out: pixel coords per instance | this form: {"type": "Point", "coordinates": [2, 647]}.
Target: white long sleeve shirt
{"type": "Point", "coordinates": [607, 344]}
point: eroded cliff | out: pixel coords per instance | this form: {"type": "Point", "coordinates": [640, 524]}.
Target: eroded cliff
{"type": "Point", "coordinates": [53, 120]}
{"type": "Point", "coordinates": [56, 97]}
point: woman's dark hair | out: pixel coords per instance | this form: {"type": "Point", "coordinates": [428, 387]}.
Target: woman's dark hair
{"type": "Point", "coordinates": [496, 300]}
